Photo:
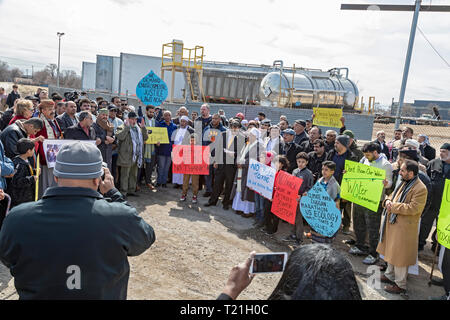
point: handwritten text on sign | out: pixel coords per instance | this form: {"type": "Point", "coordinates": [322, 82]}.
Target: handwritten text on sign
{"type": "Point", "coordinates": [152, 89]}
{"type": "Point", "coordinates": [320, 211]}
{"type": "Point", "coordinates": [285, 203]}
{"type": "Point", "coordinates": [190, 159]}
{"type": "Point", "coordinates": [362, 184]}
{"type": "Point", "coordinates": [52, 147]}
{"type": "Point", "coordinates": [261, 178]}
{"type": "Point", "coordinates": [443, 226]}
{"type": "Point", "coordinates": [327, 117]}
{"type": "Point", "coordinates": [158, 135]}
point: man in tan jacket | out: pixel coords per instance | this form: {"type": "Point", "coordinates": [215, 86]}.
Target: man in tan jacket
{"type": "Point", "coordinates": [399, 229]}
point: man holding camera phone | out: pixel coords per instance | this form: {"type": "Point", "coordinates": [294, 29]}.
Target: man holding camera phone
{"type": "Point", "coordinates": [74, 242]}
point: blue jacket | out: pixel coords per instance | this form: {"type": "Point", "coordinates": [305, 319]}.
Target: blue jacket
{"type": "Point", "coordinates": [166, 149]}
{"type": "Point", "coordinates": [6, 167]}
{"type": "Point", "coordinates": [73, 244]}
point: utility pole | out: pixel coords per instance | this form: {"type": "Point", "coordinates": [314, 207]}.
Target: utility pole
{"type": "Point", "coordinates": [59, 34]}
{"type": "Point", "coordinates": [416, 8]}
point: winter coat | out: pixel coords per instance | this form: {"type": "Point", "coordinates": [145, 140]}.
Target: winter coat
{"type": "Point", "coordinates": [70, 232]}
{"type": "Point", "coordinates": [400, 240]}
{"type": "Point", "coordinates": [10, 136]}
{"type": "Point", "coordinates": [22, 187]}
{"type": "Point", "coordinates": [65, 121]}
{"type": "Point", "coordinates": [6, 167]}
{"type": "Point", "coordinates": [125, 142]}
{"type": "Point", "coordinates": [11, 98]}
{"type": "Point", "coordinates": [76, 132]}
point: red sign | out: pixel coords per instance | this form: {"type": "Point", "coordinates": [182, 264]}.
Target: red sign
{"type": "Point", "coordinates": [284, 204]}
{"type": "Point", "coordinates": [190, 159]}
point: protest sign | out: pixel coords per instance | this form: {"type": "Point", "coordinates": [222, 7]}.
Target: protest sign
{"type": "Point", "coordinates": [362, 184]}
{"type": "Point", "coordinates": [443, 226]}
{"type": "Point", "coordinates": [158, 134]}
{"type": "Point", "coordinates": [320, 211]}
{"type": "Point", "coordinates": [284, 204]}
{"type": "Point", "coordinates": [327, 117]}
{"type": "Point", "coordinates": [190, 159]}
{"type": "Point", "coordinates": [261, 178]}
{"type": "Point", "coordinates": [52, 147]}
{"type": "Point", "coordinates": [152, 89]}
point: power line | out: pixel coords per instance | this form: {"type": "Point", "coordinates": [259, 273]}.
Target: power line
{"type": "Point", "coordinates": [435, 50]}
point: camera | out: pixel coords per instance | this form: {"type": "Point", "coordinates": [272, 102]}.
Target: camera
{"type": "Point", "coordinates": [71, 96]}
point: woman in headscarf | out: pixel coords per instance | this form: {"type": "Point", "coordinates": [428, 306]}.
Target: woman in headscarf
{"type": "Point", "coordinates": [243, 197]}
{"type": "Point", "coordinates": [426, 150]}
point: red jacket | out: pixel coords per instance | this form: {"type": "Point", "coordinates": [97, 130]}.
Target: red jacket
{"type": "Point", "coordinates": [16, 118]}
{"type": "Point", "coordinates": [40, 145]}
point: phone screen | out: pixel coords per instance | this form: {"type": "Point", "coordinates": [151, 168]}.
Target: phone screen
{"type": "Point", "coordinates": [269, 262]}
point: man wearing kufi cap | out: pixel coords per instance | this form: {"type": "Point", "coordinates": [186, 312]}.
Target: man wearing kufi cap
{"type": "Point", "coordinates": [104, 130]}
{"type": "Point", "coordinates": [74, 242]}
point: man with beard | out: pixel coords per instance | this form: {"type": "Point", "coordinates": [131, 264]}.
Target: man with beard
{"type": "Point", "coordinates": [68, 118]}
{"type": "Point", "coordinates": [316, 158]}
{"type": "Point", "coordinates": [104, 131]}
{"type": "Point", "coordinates": [398, 234]}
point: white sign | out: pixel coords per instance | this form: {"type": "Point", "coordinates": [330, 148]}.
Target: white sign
{"type": "Point", "coordinates": [52, 147]}
{"type": "Point", "coordinates": [261, 178]}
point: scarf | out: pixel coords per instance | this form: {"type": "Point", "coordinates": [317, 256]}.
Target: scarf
{"type": "Point", "coordinates": [50, 131]}
{"type": "Point", "coordinates": [149, 149]}
{"type": "Point", "coordinates": [138, 144]}
{"type": "Point", "coordinates": [106, 125]}
{"type": "Point", "coordinates": [407, 186]}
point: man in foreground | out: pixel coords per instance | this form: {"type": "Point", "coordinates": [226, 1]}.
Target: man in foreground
{"type": "Point", "coordinates": [74, 242]}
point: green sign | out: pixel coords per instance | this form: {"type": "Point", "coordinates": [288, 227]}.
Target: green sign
{"type": "Point", "coordinates": [362, 184]}
{"type": "Point", "coordinates": [443, 226]}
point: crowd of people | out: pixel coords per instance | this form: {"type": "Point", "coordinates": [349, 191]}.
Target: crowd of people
{"type": "Point", "coordinates": [412, 192]}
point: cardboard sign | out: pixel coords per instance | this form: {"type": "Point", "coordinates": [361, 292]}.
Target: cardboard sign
{"type": "Point", "coordinates": [152, 89]}
{"type": "Point", "coordinates": [190, 159]}
{"type": "Point", "coordinates": [285, 202]}
{"type": "Point", "coordinates": [320, 211]}
{"type": "Point", "coordinates": [443, 226]}
{"type": "Point", "coordinates": [261, 178]}
{"type": "Point", "coordinates": [52, 147]}
{"type": "Point", "coordinates": [158, 134]}
{"type": "Point", "coordinates": [327, 117]}
{"type": "Point", "coordinates": [362, 184]}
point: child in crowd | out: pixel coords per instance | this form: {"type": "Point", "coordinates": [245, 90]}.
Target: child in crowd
{"type": "Point", "coordinates": [331, 186]}
{"type": "Point", "coordinates": [187, 177]}
{"type": "Point", "coordinates": [270, 220]}
{"type": "Point", "coordinates": [307, 176]}
{"type": "Point", "coordinates": [265, 157]}
{"type": "Point", "coordinates": [23, 184]}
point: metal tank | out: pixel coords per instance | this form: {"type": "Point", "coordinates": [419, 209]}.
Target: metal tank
{"type": "Point", "coordinates": [308, 88]}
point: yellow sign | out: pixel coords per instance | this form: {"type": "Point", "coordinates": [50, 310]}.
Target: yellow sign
{"type": "Point", "coordinates": [38, 169]}
{"type": "Point", "coordinates": [327, 117]}
{"type": "Point", "coordinates": [443, 226]}
{"type": "Point", "coordinates": [158, 135]}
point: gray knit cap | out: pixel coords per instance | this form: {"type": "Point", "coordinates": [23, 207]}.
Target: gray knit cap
{"type": "Point", "coordinates": [343, 139]}
{"type": "Point", "coordinates": [79, 160]}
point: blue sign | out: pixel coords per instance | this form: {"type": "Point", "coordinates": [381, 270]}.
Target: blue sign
{"type": "Point", "coordinates": [152, 89]}
{"type": "Point", "coordinates": [320, 211]}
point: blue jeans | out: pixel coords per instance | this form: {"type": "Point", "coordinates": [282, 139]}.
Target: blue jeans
{"type": "Point", "coordinates": [259, 207]}
{"type": "Point", "coordinates": [163, 169]}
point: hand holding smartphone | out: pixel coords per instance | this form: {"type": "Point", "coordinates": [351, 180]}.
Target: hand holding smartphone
{"type": "Point", "coordinates": [268, 262]}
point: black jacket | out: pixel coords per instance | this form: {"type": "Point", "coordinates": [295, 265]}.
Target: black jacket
{"type": "Point", "coordinates": [435, 170]}
{"type": "Point", "coordinates": [428, 152]}
{"type": "Point", "coordinates": [307, 146]}
{"type": "Point", "coordinates": [6, 118]}
{"type": "Point", "coordinates": [299, 138]}
{"type": "Point", "coordinates": [65, 121]}
{"type": "Point", "coordinates": [10, 136]}
{"type": "Point", "coordinates": [23, 185]}
{"type": "Point", "coordinates": [315, 164]}
{"type": "Point", "coordinates": [77, 133]}
{"type": "Point", "coordinates": [73, 244]}
{"type": "Point", "coordinates": [222, 157]}
{"type": "Point", "coordinates": [290, 151]}
{"type": "Point", "coordinates": [11, 98]}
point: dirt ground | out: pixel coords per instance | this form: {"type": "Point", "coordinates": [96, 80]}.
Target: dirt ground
{"type": "Point", "coordinates": [196, 247]}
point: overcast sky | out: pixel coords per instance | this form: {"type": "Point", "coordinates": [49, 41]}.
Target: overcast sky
{"type": "Point", "coordinates": [313, 34]}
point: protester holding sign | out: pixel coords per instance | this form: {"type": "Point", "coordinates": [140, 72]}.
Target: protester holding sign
{"type": "Point", "coordinates": [365, 220]}
{"type": "Point", "coordinates": [398, 234]}
{"type": "Point", "coordinates": [163, 151]}
{"type": "Point", "coordinates": [243, 197]}
{"type": "Point", "coordinates": [149, 149]}
{"type": "Point", "coordinates": [306, 175]}
{"type": "Point", "coordinates": [187, 178]}
{"type": "Point", "coordinates": [182, 137]}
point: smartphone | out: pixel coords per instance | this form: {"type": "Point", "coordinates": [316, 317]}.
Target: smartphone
{"type": "Point", "coordinates": [269, 262]}
{"type": "Point", "coordinates": [104, 165]}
